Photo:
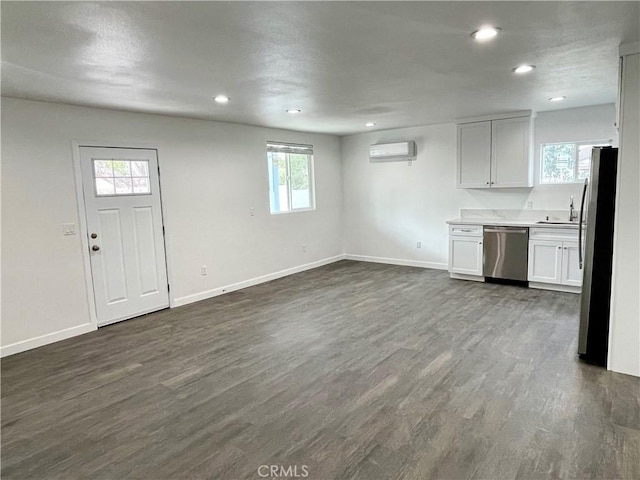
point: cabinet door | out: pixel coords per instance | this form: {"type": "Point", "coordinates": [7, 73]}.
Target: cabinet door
{"type": "Point", "coordinates": [465, 255]}
{"type": "Point", "coordinates": [545, 261]}
{"type": "Point", "coordinates": [474, 155]}
{"type": "Point", "coordinates": [571, 272]}
{"type": "Point", "coordinates": [511, 159]}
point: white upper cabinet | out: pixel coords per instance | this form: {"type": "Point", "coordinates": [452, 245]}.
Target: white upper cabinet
{"type": "Point", "coordinates": [511, 158]}
{"type": "Point", "coordinates": [496, 152]}
{"type": "Point", "coordinates": [474, 155]}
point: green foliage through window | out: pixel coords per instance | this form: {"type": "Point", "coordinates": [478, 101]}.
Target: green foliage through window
{"type": "Point", "coordinates": [290, 177]}
{"type": "Point", "coordinates": [567, 162]}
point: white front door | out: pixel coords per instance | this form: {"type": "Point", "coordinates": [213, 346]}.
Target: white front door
{"type": "Point", "coordinates": [126, 241]}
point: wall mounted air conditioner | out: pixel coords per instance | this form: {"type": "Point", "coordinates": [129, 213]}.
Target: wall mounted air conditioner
{"type": "Point", "coordinates": [392, 152]}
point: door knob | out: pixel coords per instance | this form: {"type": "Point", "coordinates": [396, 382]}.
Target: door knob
{"type": "Point", "coordinates": [95, 248]}
{"type": "Point", "coordinates": [94, 235]}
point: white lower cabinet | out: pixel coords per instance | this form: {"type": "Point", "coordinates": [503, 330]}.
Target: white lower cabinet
{"type": "Point", "coordinates": [553, 256]}
{"type": "Point", "coordinates": [465, 251]}
{"type": "Point", "coordinates": [545, 261]}
{"type": "Point", "coordinates": [465, 255]}
{"type": "Point", "coordinates": [571, 272]}
{"type": "Point", "coordinates": [553, 259]}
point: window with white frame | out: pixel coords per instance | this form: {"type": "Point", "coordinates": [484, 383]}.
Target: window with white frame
{"type": "Point", "coordinates": [567, 162]}
{"type": "Point", "coordinates": [290, 177]}
{"type": "Point", "coordinates": [121, 177]}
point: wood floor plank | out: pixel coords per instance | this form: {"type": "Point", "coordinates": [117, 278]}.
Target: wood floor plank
{"type": "Point", "coordinates": [355, 370]}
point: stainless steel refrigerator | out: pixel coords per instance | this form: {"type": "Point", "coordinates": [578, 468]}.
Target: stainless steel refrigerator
{"type": "Point", "coordinates": [597, 210]}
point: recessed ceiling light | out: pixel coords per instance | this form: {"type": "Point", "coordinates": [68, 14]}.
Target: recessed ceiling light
{"type": "Point", "coordinates": [523, 68]}
{"type": "Point", "coordinates": [485, 33]}
{"type": "Point", "coordinates": [293, 110]}
{"type": "Point", "coordinates": [221, 99]}
{"type": "Point", "coordinates": [369, 124]}
{"type": "Point", "coordinates": [557, 99]}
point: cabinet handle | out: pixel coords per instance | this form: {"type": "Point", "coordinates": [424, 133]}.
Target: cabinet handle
{"type": "Point", "coordinates": [559, 248]}
{"type": "Point", "coordinates": [479, 243]}
{"type": "Point", "coordinates": [487, 183]}
{"type": "Point", "coordinates": [492, 183]}
{"type": "Point", "coordinates": [565, 248]}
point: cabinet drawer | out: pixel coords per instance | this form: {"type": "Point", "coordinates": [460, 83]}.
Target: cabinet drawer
{"type": "Point", "coordinates": [559, 234]}
{"type": "Point", "coordinates": [466, 230]}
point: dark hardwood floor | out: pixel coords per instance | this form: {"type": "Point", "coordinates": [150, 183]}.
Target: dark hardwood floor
{"type": "Point", "coordinates": [354, 370]}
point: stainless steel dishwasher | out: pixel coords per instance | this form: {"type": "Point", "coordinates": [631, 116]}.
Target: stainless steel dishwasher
{"type": "Point", "coordinates": [505, 252]}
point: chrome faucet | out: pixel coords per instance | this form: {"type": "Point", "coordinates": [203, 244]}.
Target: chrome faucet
{"type": "Point", "coordinates": [573, 214]}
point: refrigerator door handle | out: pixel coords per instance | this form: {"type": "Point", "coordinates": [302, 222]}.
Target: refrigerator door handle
{"type": "Point", "coordinates": [584, 195]}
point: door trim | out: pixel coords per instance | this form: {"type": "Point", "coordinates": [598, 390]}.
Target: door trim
{"type": "Point", "coordinates": [82, 218]}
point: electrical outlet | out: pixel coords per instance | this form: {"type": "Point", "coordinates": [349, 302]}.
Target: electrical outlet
{"type": "Point", "coordinates": [68, 228]}
{"type": "Point", "coordinates": [530, 205]}
{"type": "Point", "coordinates": [419, 245]}
{"type": "Point", "coordinates": [203, 270]}
{"type": "Point", "coordinates": [252, 211]}
{"type": "Point", "coordinates": [304, 247]}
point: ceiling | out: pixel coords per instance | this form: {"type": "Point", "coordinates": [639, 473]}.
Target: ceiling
{"type": "Point", "coordinates": [343, 64]}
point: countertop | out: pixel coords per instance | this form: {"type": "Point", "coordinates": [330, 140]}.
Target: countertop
{"type": "Point", "coordinates": [510, 223]}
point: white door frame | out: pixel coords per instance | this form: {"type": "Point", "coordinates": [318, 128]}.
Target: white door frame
{"type": "Point", "coordinates": [82, 216]}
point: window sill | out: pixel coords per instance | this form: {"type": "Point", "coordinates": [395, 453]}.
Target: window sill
{"type": "Point", "coordinates": [297, 210]}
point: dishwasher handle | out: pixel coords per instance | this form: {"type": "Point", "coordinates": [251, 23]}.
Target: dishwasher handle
{"type": "Point", "coordinates": [506, 230]}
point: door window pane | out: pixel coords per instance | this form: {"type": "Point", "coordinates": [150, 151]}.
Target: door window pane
{"type": "Point", "coordinates": [141, 185]}
{"type": "Point", "coordinates": [103, 168]}
{"type": "Point", "coordinates": [105, 186]}
{"type": "Point", "coordinates": [123, 186]}
{"type": "Point", "coordinates": [140, 168]}
{"type": "Point", "coordinates": [121, 168]}
{"type": "Point", "coordinates": [121, 177]}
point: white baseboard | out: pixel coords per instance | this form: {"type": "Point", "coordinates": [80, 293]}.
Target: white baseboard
{"type": "Point", "coordinates": [196, 297]}
{"type": "Point", "coordinates": [553, 286]}
{"type": "Point", "coordinates": [462, 276]}
{"type": "Point", "coordinates": [396, 261]}
{"type": "Point", "coordinates": [614, 367]}
{"type": "Point", "coordinates": [24, 345]}
{"type": "Point", "coordinates": [86, 328]}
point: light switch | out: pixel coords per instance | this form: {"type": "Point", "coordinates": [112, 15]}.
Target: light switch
{"type": "Point", "coordinates": [68, 228]}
